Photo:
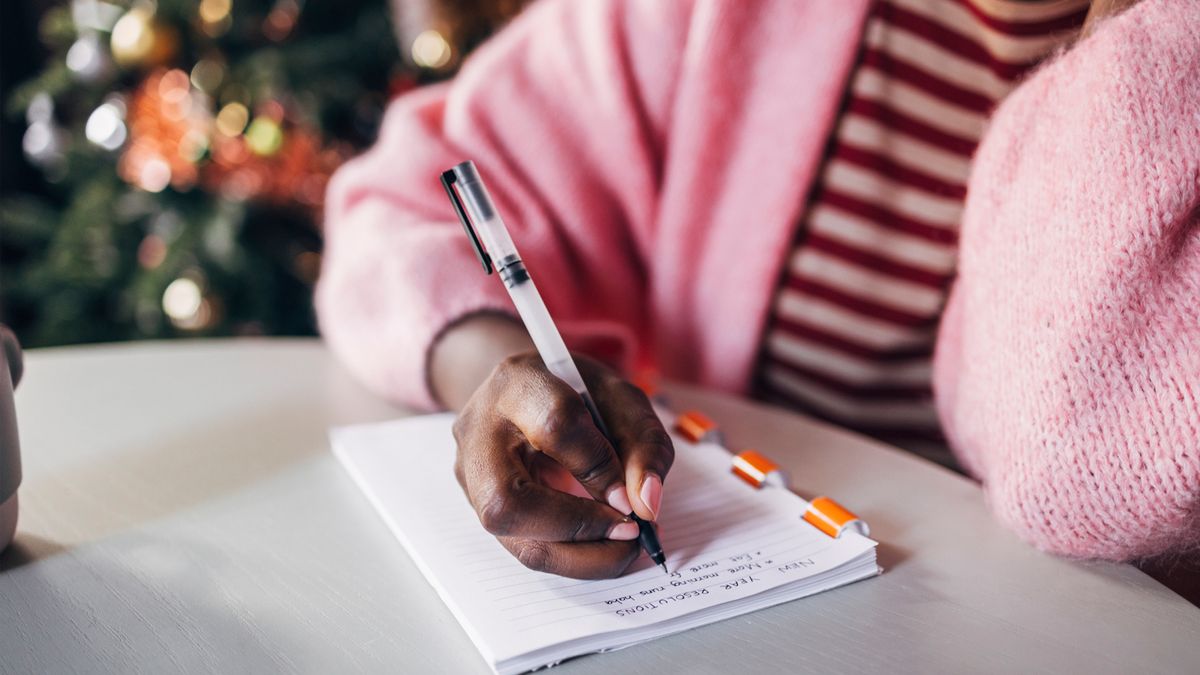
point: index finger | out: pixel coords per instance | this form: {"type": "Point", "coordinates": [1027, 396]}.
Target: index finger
{"type": "Point", "coordinates": [643, 444]}
{"type": "Point", "coordinates": [555, 421]}
{"type": "Point", "coordinates": [579, 560]}
{"type": "Point", "coordinates": [510, 502]}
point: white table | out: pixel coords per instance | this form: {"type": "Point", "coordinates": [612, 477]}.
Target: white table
{"type": "Point", "coordinates": [181, 511]}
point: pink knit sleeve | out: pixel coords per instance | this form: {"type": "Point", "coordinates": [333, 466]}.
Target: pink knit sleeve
{"type": "Point", "coordinates": [564, 114]}
{"type": "Point", "coordinates": [1067, 372]}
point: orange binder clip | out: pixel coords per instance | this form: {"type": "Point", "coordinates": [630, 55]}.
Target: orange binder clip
{"type": "Point", "coordinates": [697, 427]}
{"type": "Point", "coordinates": [756, 469]}
{"type": "Point", "coordinates": [833, 519]}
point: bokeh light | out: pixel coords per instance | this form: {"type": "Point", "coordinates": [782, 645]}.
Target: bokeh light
{"type": "Point", "coordinates": [106, 126]}
{"type": "Point", "coordinates": [232, 119]}
{"type": "Point", "coordinates": [431, 50]}
{"type": "Point", "coordinates": [207, 75]}
{"type": "Point", "coordinates": [182, 299]}
{"type": "Point", "coordinates": [264, 136]}
{"type": "Point", "coordinates": [213, 11]}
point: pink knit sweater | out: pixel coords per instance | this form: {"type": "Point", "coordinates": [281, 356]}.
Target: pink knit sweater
{"type": "Point", "coordinates": [652, 159]}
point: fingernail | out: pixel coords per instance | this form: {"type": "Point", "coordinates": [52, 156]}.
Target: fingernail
{"type": "Point", "coordinates": [624, 531]}
{"type": "Point", "coordinates": [652, 492]}
{"type": "Point", "coordinates": [619, 500]}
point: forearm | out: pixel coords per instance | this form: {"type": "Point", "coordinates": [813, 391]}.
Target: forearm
{"type": "Point", "coordinates": [467, 352]}
{"type": "Point", "coordinates": [1066, 374]}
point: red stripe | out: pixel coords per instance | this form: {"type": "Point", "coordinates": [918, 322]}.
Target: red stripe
{"type": "Point", "coordinates": [917, 430]}
{"type": "Point", "coordinates": [930, 84]}
{"type": "Point", "coordinates": [866, 392]}
{"type": "Point", "coordinates": [819, 242]}
{"type": "Point", "coordinates": [945, 37]}
{"type": "Point", "coordinates": [1058, 23]}
{"type": "Point", "coordinates": [881, 113]}
{"type": "Point", "coordinates": [858, 305]}
{"type": "Point", "coordinates": [891, 170]}
{"type": "Point", "coordinates": [885, 218]}
{"type": "Point", "coordinates": [841, 344]}
{"type": "Point", "coordinates": [893, 435]}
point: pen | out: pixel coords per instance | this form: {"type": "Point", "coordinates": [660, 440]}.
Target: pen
{"type": "Point", "coordinates": [496, 251]}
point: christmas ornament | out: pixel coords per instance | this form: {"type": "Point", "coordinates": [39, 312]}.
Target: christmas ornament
{"type": "Point", "coordinates": [168, 133]}
{"type": "Point", "coordinates": [137, 114]}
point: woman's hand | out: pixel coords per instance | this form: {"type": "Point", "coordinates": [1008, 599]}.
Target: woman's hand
{"type": "Point", "coordinates": [546, 482]}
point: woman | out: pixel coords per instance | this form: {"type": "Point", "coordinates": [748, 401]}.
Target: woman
{"type": "Point", "coordinates": [765, 197]}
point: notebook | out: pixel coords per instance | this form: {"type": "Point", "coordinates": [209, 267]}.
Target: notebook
{"type": "Point", "coordinates": [731, 550]}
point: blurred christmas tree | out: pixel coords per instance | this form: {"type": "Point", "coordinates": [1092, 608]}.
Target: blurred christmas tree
{"type": "Point", "coordinates": [187, 145]}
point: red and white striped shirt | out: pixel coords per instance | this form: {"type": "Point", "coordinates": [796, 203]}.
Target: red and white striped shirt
{"type": "Point", "coordinates": [852, 327]}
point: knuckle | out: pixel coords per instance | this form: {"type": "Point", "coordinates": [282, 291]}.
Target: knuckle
{"type": "Point", "coordinates": [512, 362]}
{"type": "Point", "coordinates": [632, 552]}
{"type": "Point", "coordinates": [580, 530]}
{"type": "Point", "coordinates": [534, 554]}
{"type": "Point", "coordinates": [459, 429]}
{"type": "Point", "coordinates": [499, 512]}
{"type": "Point", "coordinates": [514, 365]}
{"type": "Point", "coordinates": [664, 450]}
{"type": "Point", "coordinates": [561, 418]}
{"type": "Point", "coordinates": [599, 467]}
{"type": "Point", "coordinates": [470, 425]}
{"type": "Point", "coordinates": [459, 473]}
{"type": "Point", "coordinates": [495, 513]}
{"type": "Point", "coordinates": [506, 375]}
{"type": "Point", "coordinates": [631, 392]}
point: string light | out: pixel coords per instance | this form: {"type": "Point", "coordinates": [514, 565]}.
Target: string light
{"type": "Point", "coordinates": [281, 20]}
{"type": "Point", "coordinates": [207, 75]}
{"type": "Point", "coordinates": [87, 59]}
{"type": "Point", "coordinates": [133, 36]}
{"type": "Point", "coordinates": [214, 11]}
{"type": "Point", "coordinates": [106, 125]}
{"type": "Point", "coordinates": [232, 119]}
{"type": "Point", "coordinates": [152, 252]}
{"type": "Point", "coordinates": [264, 137]}
{"type": "Point", "coordinates": [215, 16]}
{"type": "Point", "coordinates": [431, 50]}
{"type": "Point", "coordinates": [193, 146]}
{"type": "Point", "coordinates": [182, 299]}
{"type": "Point", "coordinates": [155, 174]}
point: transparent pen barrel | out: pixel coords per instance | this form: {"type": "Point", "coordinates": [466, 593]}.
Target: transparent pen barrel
{"type": "Point", "coordinates": [545, 335]}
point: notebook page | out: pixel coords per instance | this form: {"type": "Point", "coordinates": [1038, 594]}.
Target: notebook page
{"type": "Point", "coordinates": [724, 541]}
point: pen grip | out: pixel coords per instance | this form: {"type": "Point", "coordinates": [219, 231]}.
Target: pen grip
{"type": "Point", "coordinates": [595, 412]}
{"type": "Point", "coordinates": [647, 537]}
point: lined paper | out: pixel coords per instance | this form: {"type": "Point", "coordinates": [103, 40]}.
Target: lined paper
{"type": "Point", "coordinates": [731, 549]}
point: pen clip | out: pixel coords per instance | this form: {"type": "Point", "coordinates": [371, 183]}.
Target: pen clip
{"type": "Point", "coordinates": [448, 180]}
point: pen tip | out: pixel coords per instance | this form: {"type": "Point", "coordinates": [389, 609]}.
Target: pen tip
{"type": "Point", "coordinates": [663, 565]}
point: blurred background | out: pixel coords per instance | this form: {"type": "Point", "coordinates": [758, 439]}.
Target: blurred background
{"type": "Point", "coordinates": [163, 164]}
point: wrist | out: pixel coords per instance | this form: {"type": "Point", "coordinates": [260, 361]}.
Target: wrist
{"type": "Point", "coordinates": [466, 352]}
